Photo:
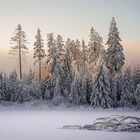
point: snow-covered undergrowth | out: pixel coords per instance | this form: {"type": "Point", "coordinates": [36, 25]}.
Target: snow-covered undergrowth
{"type": "Point", "coordinates": [49, 105]}
{"type": "Point", "coordinates": [44, 121]}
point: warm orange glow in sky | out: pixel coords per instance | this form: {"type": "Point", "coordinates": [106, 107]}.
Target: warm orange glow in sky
{"type": "Point", "coordinates": [132, 52]}
{"type": "Point", "coordinates": [71, 19]}
{"type": "Point", "coordinates": [9, 63]}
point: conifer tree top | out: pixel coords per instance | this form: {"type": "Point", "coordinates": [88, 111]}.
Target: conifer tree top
{"type": "Point", "coordinates": [113, 36]}
{"type": "Point", "coordinates": [114, 56]}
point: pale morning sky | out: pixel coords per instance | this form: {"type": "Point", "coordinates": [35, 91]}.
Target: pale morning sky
{"type": "Point", "coordinates": [70, 18]}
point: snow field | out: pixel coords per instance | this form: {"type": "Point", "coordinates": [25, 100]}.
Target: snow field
{"type": "Point", "coordinates": [47, 125]}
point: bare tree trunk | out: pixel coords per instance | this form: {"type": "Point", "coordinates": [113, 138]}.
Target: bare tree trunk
{"type": "Point", "coordinates": [20, 64]}
{"type": "Point", "coordinates": [40, 70]}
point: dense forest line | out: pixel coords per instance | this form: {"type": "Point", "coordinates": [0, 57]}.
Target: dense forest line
{"type": "Point", "coordinates": [76, 73]}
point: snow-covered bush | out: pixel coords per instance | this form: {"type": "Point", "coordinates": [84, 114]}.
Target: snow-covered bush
{"type": "Point", "coordinates": [58, 100]}
{"type": "Point", "coordinates": [3, 87]}
{"type": "Point", "coordinates": [23, 92]}
{"type": "Point", "coordinates": [35, 90]}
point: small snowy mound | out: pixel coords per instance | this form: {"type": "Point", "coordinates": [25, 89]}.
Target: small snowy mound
{"type": "Point", "coordinates": [113, 123]}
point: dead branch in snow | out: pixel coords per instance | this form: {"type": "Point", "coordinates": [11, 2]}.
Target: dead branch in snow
{"type": "Point", "coordinates": [112, 123]}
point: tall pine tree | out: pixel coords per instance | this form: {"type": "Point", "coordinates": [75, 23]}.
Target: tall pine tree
{"type": "Point", "coordinates": [19, 39]}
{"type": "Point", "coordinates": [39, 52]}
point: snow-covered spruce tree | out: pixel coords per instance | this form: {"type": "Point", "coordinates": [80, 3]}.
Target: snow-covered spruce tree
{"type": "Point", "coordinates": [13, 86]}
{"type": "Point", "coordinates": [33, 85]}
{"type": "Point", "coordinates": [58, 79]}
{"type": "Point", "coordinates": [60, 48]}
{"type": "Point", "coordinates": [51, 63]}
{"type": "Point", "coordinates": [57, 90]}
{"type": "Point", "coordinates": [8, 86]}
{"type": "Point", "coordinates": [68, 43]}
{"type": "Point", "coordinates": [51, 55]}
{"type": "Point", "coordinates": [113, 90]}
{"type": "Point", "coordinates": [84, 75]}
{"type": "Point", "coordinates": [88, 85]}
{"type": "Point", "coordinates": [48, 90]}
{"type": "Point", "coordinates": [54, 66]}
{"type": "Point", "coordinates": [27, 92]}
{"type": "Point", "coordinates": [57, 75]}
{"type": "Point", "coordinates": [1, 82]}
{"type": "Point", "coordinates": [77, 54]}
{"type": "Point", "coordinates": [137, 95]}
{"type": "Point", "coordinates": [13, 76]}
{"type": "Point", "coordinates": [43, 86]}
{"type": "Point", "coordinates": [29, 78]}
{"type": "Point", "coordinates": [58, 93]}
{"type": "Point", "coordinates": [95, 48]}
{"type": "Point", "coordinates": [23, 92]}
{"type": "Point", "coordinates": [136, 77]}
{"type": "Point", "coordinates": [84, 89]}
{"type": "Point", "coordinates": [50, 46]}
{"type": "Point", "coordinates": [35, 90]}
{"type": "Point", "coordinates": [100, 96]}
{"type": "Point", "coordinates": [4, 93]}
{"type": "Point", "coordinates": [79, 89]}
{"type": "Point", "coordinates": [75, 96]}
{"type": "Point", "coordinates": [127, 95]}
{"type": "Point", "coordinates": [74, 47]}
{"type": "Point", "coordinates": [119, 89]}
{"type": "Point", "coordinates": [20, 49]}
{"type": "Point", "coordinates": [55, 70]}
{"type": "Point", "coordinates": [114, 55]}
{"type": "Point", "coordinates": [39, 52]}
{"type": "Point", "coordinates": [84, 55]}
{"type": "Point", "coordinates": [67, 70]}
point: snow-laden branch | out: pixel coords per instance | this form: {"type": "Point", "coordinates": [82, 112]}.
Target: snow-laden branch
{"type": "Point", "coordinates": [112, 123]}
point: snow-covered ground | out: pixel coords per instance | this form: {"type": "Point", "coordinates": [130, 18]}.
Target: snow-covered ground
{"type": "Point", "coordinates": [47, 123]}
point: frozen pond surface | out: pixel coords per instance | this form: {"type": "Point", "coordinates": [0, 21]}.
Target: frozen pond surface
{"type": "Point", "coordinates": [47, 124]}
